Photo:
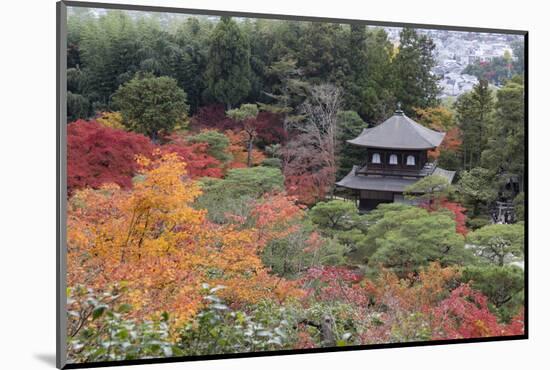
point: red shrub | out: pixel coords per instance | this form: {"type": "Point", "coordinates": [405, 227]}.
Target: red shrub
{"type": "Point", "coordinates": [212, 117]}
{"type": "Point", "coordinates": [308, 188]}
{"type": "Point", "coordinates": [460, 217]}
{"type": "Point", "coordinates": [97, 154]}
{"type": "Point", "coordinates": [465, 315]}
{"type": "Point", "coordinates": [330, 283]}
{"type": "Point", "coordinates": [308, 169]}
{"type": "Point", "coordinates": [456, 208]}
{"type": "Point", "coordinates": [199, 163]}
{"type": "Point", "coordinates": [517, 325]}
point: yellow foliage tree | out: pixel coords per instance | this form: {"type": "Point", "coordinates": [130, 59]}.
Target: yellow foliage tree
{"type": "Point", "coordinates": [153, 240]}
{"type": "Point", "coordinates": [112, 120]}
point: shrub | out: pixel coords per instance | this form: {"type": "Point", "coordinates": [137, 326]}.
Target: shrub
{"type": "Point", "coordinates": [100, 328]}
{"type": "Point", "coordinates": [97, 155]}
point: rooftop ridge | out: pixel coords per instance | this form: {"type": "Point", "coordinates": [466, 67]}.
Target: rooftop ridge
{"type": "Point", "coordinates": [399, 132]}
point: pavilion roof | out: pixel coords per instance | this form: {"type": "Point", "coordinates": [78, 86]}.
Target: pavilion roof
{"type": "Point", "coordinates": [386, 183]}
{"type": "Point", "coordinates": [399, 132]}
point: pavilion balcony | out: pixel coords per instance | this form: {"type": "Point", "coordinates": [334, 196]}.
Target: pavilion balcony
{"type": "Point", "coordinates": [368, 169]}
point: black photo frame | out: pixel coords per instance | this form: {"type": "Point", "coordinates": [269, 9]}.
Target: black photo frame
{"type": "Point", "coordinates": [61, 218]}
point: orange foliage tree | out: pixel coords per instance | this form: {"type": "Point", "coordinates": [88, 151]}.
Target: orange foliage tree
{"type": "Point", "coordinates": [441, 119]}
{"type": "Point", "coordinates": [276, 216]}
{"type": "Point", "coordinates": [153, 240]}
{"type": "Point", "coordinates": [237, 148]}
{"type": "Point", "coordinates": [451, 142]}
{"type": "Point", "coordinates": [436, 118]}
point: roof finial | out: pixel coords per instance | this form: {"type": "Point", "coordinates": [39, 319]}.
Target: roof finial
{"type": "Point", "coordinates": [398, 111]}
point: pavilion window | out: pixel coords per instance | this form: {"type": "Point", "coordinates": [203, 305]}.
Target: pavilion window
{"type": "Point", "coordinates": [410, 160]}
{"type": "Point", "coordinates": [393, 159]}
{"type": "Point", "coordinates": [376, 158]}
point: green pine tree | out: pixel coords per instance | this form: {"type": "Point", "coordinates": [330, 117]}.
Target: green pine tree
{"type": "Point", "coordinates": [474, 115]}
{"type": "Point", "coordinates": [228, 71]}
{"type": "Point", "coordinates": [415, 85]}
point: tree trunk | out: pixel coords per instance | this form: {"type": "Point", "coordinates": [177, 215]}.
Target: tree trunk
{"type": "Point", "coordinates": [249, 154]}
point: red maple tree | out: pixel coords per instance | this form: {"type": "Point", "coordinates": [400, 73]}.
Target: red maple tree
{"type": "Point", "coordinates": [465, 314]}
{"type": "Point", "coordinates": [456, 208]}
{"type": "Point", "coordinates": [97, 155]}
{"type": "Point", "coordinates": [451, 142]}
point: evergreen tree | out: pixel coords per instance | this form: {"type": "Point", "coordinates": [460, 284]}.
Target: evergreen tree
{"type": "Point", "coordinates": [76, 19]}
{"type": "Point", "coordinates": [261, 37]}
{"type": "Point", "coordinates": [349, 126]}
{"type": "Point", "coordinates": [378, 99]}
{"type": "Point", "coordinates": [322, 55]}
{"type": "Point", "coordinates": [404, 238]}
{"type": "Point", "coordinates": [368, 84]}
{"type": "Point", "coordinates": [217, 143]}
{"type": "Point", "coordinates": [506, 143]}
{"type": "Point", "coordinates": [355, 84]}
{"type": "Point", "coordinates": [287, 90]}
{"type": "Point", "coordinates": [478, 189]}
{"type": "Point", "coordinates": [415, 85]}
{"type": "Point", "coordinates": [499, 244]}
{"type": "Point", "coordinates": [228, 71]}
{"type": "Point", "coordinates": [518, 48]}
{"type": "Point", "coordinates": [189, 64]}
{"type": "Point", "coordinates": [151, 104]}
{"type": "Point", "coordinates": [474, 114]}
{"type": "Point", "coordinates": [78, 106]}
{"type": "Point", "coordinates": [109, 52]}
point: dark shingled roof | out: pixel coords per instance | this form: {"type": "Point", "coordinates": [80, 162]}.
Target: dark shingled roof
{"type": "Point", "coordinates": [399, 132]}
{"type": "Point", "coordinates": [362, 182]}
{"type": "Point", "coordinates": [385, 183]}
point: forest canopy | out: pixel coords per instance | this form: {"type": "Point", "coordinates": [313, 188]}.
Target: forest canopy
{"type": "Point", "coordinates": [203, 215]}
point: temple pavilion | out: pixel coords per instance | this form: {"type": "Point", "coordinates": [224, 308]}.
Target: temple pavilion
{"type": "Point", "coordinates": [396, 156]}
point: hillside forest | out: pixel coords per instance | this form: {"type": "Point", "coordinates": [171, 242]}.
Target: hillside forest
{"type": "Point", "coordinates": [203, 217]}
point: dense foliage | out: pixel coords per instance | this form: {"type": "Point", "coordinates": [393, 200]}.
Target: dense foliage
{"type": "Point", "coordinates": [98, 155]}
{"type": "Point", "coordinates": [231, 62]}
{"type": "Point", "coordinates": [202, 213]}
{"type": "Point", "coordinates": [150, 105]}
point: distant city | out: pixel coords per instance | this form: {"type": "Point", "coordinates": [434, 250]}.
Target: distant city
{"type": "Point", "coordinates": [455, 50]}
